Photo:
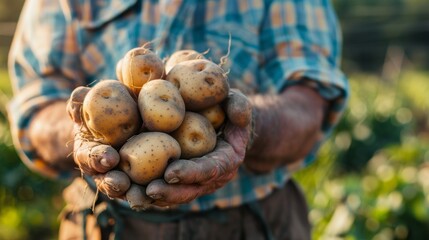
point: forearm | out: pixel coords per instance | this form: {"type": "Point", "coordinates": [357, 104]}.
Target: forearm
{"type": "Point", "coordinates": [286, 127]}
{"type": "Point", "coordinates": [51, 134]}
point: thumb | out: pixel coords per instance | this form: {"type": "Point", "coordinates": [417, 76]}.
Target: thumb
{"type": "Point", "coordinates": [74, 104]}
{"type": "Point", "coordinates": [238, 138]}
{"type": "Point", "coordinates": [238, 108]}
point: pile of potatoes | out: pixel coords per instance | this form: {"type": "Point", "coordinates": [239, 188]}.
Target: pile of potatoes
{"type": "Point", "coordinates": [157, 112]}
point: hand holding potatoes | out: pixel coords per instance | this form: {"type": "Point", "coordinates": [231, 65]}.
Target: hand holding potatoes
{"type": "Point", "coordinates": [92, 157]}
{"type": "Point", "coordinates": [156, 139]}
{"type": "Point", "coordinates": [185, 180]}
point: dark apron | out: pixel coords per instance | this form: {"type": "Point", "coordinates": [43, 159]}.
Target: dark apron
{"type": "Point", "coordinates": [281, 215]}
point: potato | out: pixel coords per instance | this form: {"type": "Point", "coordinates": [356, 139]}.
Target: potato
{"type": "Point", "coordinates": [110, 113]}
{"type": "Point", "coordinates": [137, 198]}
{"type": "Point", "coordinates": [196, 136]}
{"type": "Point", "coordinates": [238, 108]}
{"type": "Point", "coordinates": [161, 106]}
{"type": "Point", "coordinates": [114, 183]}
{"type": "Point", "coordinates": [201, 83]}
{"type": "Point", "coordinates": [144, 157]}
{"type": "Point", "coordinates": [181, 56]}
{"type": "Point", "coordinates": [119, 70]}
{"type": "Point", "coordinates": [74, 104]}
{"type": "Point", "coordinates": [140, 65]}
{"type": "Point", "coordinates": [215, 115]}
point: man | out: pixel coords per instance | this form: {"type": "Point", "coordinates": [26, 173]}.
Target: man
{"type": "Point", "coordinates": [284, 56]}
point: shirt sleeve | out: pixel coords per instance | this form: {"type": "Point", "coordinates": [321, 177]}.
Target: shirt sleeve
{"type": "Point", "coordinates": [44, 67]}
{"type": "Point", "coordinates": [301, 42]}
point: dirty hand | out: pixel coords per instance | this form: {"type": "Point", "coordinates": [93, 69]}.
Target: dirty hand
{"type": "Point", "coordinates": [185, 180]}
{"type": "Point", "coordinates": [93, 158]}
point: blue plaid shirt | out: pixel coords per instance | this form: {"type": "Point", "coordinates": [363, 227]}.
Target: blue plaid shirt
{"type": "Point", "coordinates": [60, 45]}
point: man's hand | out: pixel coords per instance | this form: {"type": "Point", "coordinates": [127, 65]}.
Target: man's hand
{"type": "Point", "coordinates": [93, 158]}
{"type": "Point", "coordinates": [185, 180]}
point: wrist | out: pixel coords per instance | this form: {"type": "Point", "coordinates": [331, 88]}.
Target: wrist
{"type": "Point", "coordinates": [51, 134]}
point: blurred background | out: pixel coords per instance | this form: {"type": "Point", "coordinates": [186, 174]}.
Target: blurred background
{"type": "Point", "coordinates": [371, 179]}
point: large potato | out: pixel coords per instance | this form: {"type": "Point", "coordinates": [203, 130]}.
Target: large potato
{"type": "Point", "coordinates": [181, 56]}
{"type": "Point", "coordinates": [201, 83]}
{"type": "Point", "coordinates": [140, 65]}
{"type": "Point", "coordinates": [161, 106]}
{"type": "Point", "coordinates": [144, 157]}
{"type": "Point", "coordinates": [110, 113]}
{"type": "Point", "coordinates": [196, 136]}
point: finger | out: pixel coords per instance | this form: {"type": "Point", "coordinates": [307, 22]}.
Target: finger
{"type": "Point", "coordinates": [238, 108]}
{"type": "Point", "coordinates": [74, 104]}
{"type": "Point", "coordinates": [167, 194]}
{"type": "Point", "coordinates": [114, 183]}
{"type": "Point", "coordinates": [93, 157]}
{"type": "Point", "coordinates": [137, 198]}
{"type": "Point", "coordinates": [238, 138]}
{"type": "Point", "coordinates": [221, 161]}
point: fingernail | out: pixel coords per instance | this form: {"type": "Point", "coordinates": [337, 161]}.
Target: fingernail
{"type": "Point", "coordinates": [155, 196]}
{"type": "Point", "coordinates": [173, 180]}
{"type": "Point", "coordinates": [104, 162]}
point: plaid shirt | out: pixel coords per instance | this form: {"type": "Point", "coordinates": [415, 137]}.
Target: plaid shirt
{"type": "Point", "coordinates": [60, 45]}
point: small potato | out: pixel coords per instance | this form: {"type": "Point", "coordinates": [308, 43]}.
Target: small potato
{"type": "Point", "coordinates": [238, 108]}
{"type": "Point", "coordinates": [114, 183]}
{"type": "Point", "coordinates": [215, 115]}
{"type": "Point", "coordinates": [139, 66]}
{"type": "Point", "coordinates": [137, 198]}
{"type": "Point", "coordinates": [181, 56]}
{"type": "Point", "coordinates": [201, 83]}
{"type": "Point", "coordinates": [196, 136]}
{"type": "Point", "coordinates": [144, 157]}
{"type": "Point", "coordinates": [119, 70]}
{"type": "Point", "coordinates": [74, 104]}
{"type": "Point", "coordinates": [161, 106]}
{"type": "Point", "coordinates": [110, 113]}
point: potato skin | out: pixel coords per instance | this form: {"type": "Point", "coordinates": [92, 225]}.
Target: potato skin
{"type": "Point", "coordinates": [110, 113]}
{"type": "Point", "coordinates": [140, 65]}
{"type": "Point", "coordinates": [196, 136]}
{"type": "Point", "coordinates": [181, 56]}
{"type": "Point", "coordinates": [161, 106]}
{"type": "Point", "coordinates": [144, 157]}
{"type": "Point", "coordinates": [215, 115]}
{"type": "Point", "coordinates": [201, 83]}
